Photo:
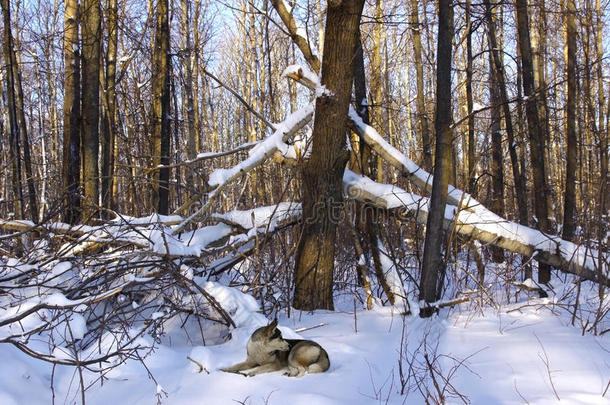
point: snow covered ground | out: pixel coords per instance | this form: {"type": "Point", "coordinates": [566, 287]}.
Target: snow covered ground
{"type": "Point", "coordinates": [525, 352]}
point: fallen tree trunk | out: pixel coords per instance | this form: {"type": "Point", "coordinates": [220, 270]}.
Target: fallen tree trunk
{"type": "Point", "coordinates": [485, 227]}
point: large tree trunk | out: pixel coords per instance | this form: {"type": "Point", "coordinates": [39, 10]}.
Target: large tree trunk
{"type": "Point", "coordinates": [91, 38]}
{"type": "Point", "coordinates": [535, 129]}
{"type": "Point", "coordinates": [323, 172]}
{"type": "Point", "coordinates": [161, 108]}
{"type": "Point", "coordinates": [72, 137]}
{"type": "Point", "coordinates": [433, 265]}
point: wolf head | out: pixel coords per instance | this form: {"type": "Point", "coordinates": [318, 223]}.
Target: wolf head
{"type": "Point", "coordinates": [271, 337]}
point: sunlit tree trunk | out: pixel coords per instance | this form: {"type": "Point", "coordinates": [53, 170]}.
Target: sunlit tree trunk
{"type": "Point", "coordinates": [569, 206]}
{"type": "Point", "coordinates": [422, 114]}
{"type": "Point", "coordinates": [72, 136]}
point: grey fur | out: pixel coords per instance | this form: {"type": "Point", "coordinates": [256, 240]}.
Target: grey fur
{"type": "Point", "coordinates": [268, 351]}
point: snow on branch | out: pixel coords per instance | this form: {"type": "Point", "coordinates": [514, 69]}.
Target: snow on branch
{"type": "Point", "coordinates": [270, 216]}
{"type": "Point", "coordinates": [220, 178]}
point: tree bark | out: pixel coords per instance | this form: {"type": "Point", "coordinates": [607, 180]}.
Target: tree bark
{"type": "Point", "coordinates": [192, 132]}
{"type": "Point", "coordinates": [497, 161]}
{"type": "Point", "coordinates": [110, 102]}
{"type": "Point", "coordinates": [569, 206]}
{"type": "Point", "coordinates": [72, 136]}
{"type": "Point", "coordinates": [469, 102]}
{"type": "Point", "coordinates": [535, 129]}
{"type": "Point", "coordinates": [161, 108]}
{"type": "Point", "coordinates": [14, 144]}
{"type": "Point", "coordinates": [91, 38]}
{"type": "Point", "coordinates": [433, 265]}
{"type": "Point", "coordinates": [323, 172]}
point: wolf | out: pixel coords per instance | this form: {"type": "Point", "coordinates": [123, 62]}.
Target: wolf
{"type": "Point", "coordinates": [267, 351]}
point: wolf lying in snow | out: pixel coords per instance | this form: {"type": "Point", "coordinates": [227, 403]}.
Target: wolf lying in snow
{"type": "Point", "coordinates": [268, 351]}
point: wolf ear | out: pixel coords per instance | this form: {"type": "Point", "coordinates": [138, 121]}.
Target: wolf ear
{"type": "Point", "coordinates": [271, 327]}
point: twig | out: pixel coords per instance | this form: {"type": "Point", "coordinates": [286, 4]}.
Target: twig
{"type": "Point", "coordinates": [201, 366]}
{"type": "Point", "coordinates": [546, 362]}
{"type": "Point", "coordinates": [309, 328]}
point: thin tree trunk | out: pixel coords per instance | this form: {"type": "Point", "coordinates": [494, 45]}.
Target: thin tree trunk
{"type": "Point", "coordinates": [535, 129]}
{"type": "Point", "coordinates": [14, 145]}
{"type": "Point", "coordinates": [469, 102]}
{"type": "Point", "coordinates": [420, 100]}
{"type": "Point", "coordinates": [161, 108]}
{"type": "Point", "coordinates": [497, 162]}
{"type": "Point", "coordinates": [192, 135]}
{"type": "Point", "coordinates": [366, 219]}
{"type": "Point", "coordinates": [72, 136]}
{"type": "Point", "coordinates": [433, 265]}
{"type": "Point", "coordinates": [109, 119]}
{"type": "Point", "coordinates": [23, 131]}
{"type": "Point", "coordinates": [517, 168]}
{"type": "Point", "coordinates": [569, 207]}
{"type": "Point", "coordinates": [323, 172]}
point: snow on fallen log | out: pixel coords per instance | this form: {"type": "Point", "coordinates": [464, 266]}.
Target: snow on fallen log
{"type": "Point", "coordinates": [258, 155]}
{"type": "Point", "coordinates": [261, 217]}
{"type": "Point", "coordinates": [410, 169]}
{"type": "Point", "coordinates": [486, 227]}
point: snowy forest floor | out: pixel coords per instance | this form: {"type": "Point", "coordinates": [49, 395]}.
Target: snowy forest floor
{"type": "Point", "coordinates": [523, 352]}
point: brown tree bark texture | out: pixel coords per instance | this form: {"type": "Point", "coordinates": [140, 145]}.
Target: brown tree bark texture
{"type": "Point", "coordinates": [323, 173]}
{"type": "Point", "coordinates": [433, 266]}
